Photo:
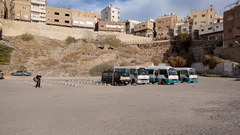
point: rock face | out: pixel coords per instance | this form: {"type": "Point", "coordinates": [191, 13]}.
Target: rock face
{"type": "Point", "coordinates": [51, 57]}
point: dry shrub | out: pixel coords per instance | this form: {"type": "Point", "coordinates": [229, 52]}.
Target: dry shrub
{"type": "Point", "coordinates": [111, 40]}
{"type": "Point", "coordinates": [98, 69]}
{"type": "Point", "coordinates": [70, 40]}
{"type": "Point", "coordinates": [177, 61]}
{"type": "Point", "coordinates": [156, 60]}
{"type": "Point", "coordinates": [211, 61]}
{"type": "Point", "coordinates": [21, 68]}
{"type": "Point", "coordinates": [5, 54]}
{"type": "Point", "coordinates": [26, 37]}
{"type": "Point", "coordinates": [189, 57]}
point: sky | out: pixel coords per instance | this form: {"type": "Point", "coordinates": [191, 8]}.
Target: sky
{"type": "Point", "coordinates": [142, 10]}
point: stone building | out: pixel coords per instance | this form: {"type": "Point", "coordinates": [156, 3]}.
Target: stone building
{"type": "Point", "coordinates": [110, 26]}
{"type": "Point", "coordinates": [232, 25]}
{"type": "Point", "coordinates": [144, 29]}
{"type": "Point", "coordinates": [165, 26]}
{"type": "Point", "coordinates": [129, 26]}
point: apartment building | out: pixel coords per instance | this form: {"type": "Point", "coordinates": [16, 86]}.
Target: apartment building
{"type": "Point", "coordinates": [201, 18]}
{"type": "Point", "coordinates": [129, 26]}
{"type": "Point", "coordinates": [58, 16]}
{"type": "Point", "coordinates": [145, 29]}
{"type": "Point", "coordinates": [110, 26]}
{"type": "Point", "coordinates": [182, 27]}
{"type": "Point", "coordinates": [110, 13]}
{"type": "Point", "coordinates": [165, 26]}
{"type": "Point", "coordinates": [84, 19]}
{"type": "Point", "coordinates": [211, 31]}
{"type": "Point", "coordinates": [20, 10]}
{"type": "Point", "coordinates": [26, 10]}
{"type": "Point", "coordinates": [38, 11]}
{"type": "Point", "coordinates": [232, 25]}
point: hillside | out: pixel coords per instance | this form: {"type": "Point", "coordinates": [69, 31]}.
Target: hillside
{"type": "Point", "coordinates": [50, 57]}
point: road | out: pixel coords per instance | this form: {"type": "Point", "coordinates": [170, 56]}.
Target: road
{"type": "Point", "coordinates": [211, 106]}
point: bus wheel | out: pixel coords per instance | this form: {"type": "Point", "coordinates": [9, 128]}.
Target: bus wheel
{"type": "Point", "coordinates": [184, 80]}
{"type": "Point", "coordinates": [163, 82]}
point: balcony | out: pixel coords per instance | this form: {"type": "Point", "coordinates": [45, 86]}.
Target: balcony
{"type": "Point", "coordinates": [38, 18]}
{"type": "Point", "coordinates": [38, 9]}
{"type": "Point", "coordinates": [42, 2]}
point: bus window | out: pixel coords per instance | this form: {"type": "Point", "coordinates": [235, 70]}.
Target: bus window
{"type": "Point", "coordinates": [132, 71]}
{"type": "Point", "coordinates": [184, 72]}
{"type": "Point", "coordinates": [105, 74]}
{"type": "Point", "coordinates": [163, 72]}
{"type": "Point", "coordinates": [172, 71]}
{"type": "Point", "coordinates": [192, 72]}
{"type": "Point", "coordinates": [142, 71]}
{"type": "Point", "coordinates": [150, 72]}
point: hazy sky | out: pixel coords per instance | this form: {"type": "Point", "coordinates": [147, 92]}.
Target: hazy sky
{"type": "Point", "coordinates": [143, 9]}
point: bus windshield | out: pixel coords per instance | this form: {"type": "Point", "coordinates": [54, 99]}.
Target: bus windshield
{"type": "Point", "coordinates": [192, 72]}
{"type": "Point", "coordinates": [172, 72]}
{"type": "Point", "coordinates": [124, 74]}
{"type": "Point", "coordinates": [142, 71]}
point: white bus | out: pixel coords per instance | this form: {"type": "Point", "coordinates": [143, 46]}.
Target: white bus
{"type": "Point", "coordinates": [162, 75]}
{"type": "Point", "coordinates": [138, 75]}
{"type": "Point", "coordinates": [187, 75]}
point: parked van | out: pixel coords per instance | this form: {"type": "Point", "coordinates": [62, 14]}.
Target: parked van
{"type": "Point", "coordinates": [116, 78]}
{"type": "Point", "coordinates": [163, 75]}
{"type": "Point", "coordinates": [138, 75]}
{"type": "Point", "coordinates": [187, 75]}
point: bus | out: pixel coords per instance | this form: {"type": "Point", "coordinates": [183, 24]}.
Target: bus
{"type": "Point", "coordinates": [116, 78]}
{"type": "Point", "coordinates": [138, 75]}
{"type": "Point", "coordinates": [187, 75]}
{"type": "Point", "coordinates": [163, 75]}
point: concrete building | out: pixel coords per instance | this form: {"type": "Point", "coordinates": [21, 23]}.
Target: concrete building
{"type": "Point", "coordinates": [129, 26]}
{"type": "Point", "coordinates": [165, 26]}
{"type": "Point", "coordinates": [211, 31]}
{"type": "Point", "coordinates": [84, 19]}
{"type": "Point", "coordinates": [145, 29]}
{"type": "Point", "coordinates": [20, 10]}
{"type": "Point", "coordinates": [110, 13]}
{"type": "Point", "coordinates": [110, 26]}
{"type": "Point", "coordinates": [58, 16]}
{"type": "Point", "coordinates": [182, 27]}
{"type": "Point", "coordinates": [26, 10]}
{"type": "Point", "coordinates": [232, 25]}
{"type": "Point", "coordinates": [38, 11]}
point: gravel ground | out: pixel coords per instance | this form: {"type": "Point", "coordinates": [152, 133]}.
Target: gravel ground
{"type": "Point", "coordinates": [210, 107]}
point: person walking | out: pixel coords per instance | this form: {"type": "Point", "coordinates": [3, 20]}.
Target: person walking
{"type": "Point", "coordinates": [37, 79]}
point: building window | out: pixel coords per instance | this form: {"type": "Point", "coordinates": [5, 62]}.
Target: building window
{"type": "Point", "coordinates": [56, 13]}
{"type": "Point", "coordinates": [211, 17]}
{"type": "Point", "coordinates": [112, 16]}
{"type": "Point", "coordinates": [230, 18]}
{"type": "Point", "coordinates": [217, 27]}
{"type": "Point", "coordinates": [210, 28]}
{"type": "Point", "coordinates": [202, 30]}
{"type": "Point", "coordinates": [67, 14]}
{"type": "Point", "coordinates": [229, 30]}
{"type": "Point", "coordinates": [113, 11]}
{"type": "Point", "coordinates": [56, 20]}
{"type": "Point", "coordinates": [237, 14]}
{"type": "Point", "coordinates": [102, 25]}
{"type": "Point", "coordinates": [203, 15]}
{"type": "Point", "coordinates": [66, 21]}
{"type": "Point", "coordinates": [195, 23]}
{"type": "Point", "coordinates": [238, 27]}
{"type": "Point", "coordinates": [195, 16]}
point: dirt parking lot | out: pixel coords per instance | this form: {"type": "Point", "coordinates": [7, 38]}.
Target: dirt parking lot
{"type": "Point", "coordinates": [211, 106]}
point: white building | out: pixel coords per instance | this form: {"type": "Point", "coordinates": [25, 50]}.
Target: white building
{"type": "Point", "coordinates": [110, 13]}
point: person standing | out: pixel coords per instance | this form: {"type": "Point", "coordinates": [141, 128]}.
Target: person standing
{"type": "Point", "coordinates": [37, 79]}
